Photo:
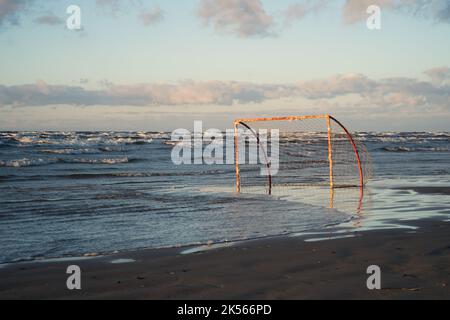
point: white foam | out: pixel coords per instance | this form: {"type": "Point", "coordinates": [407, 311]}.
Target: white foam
{"type": "Point", "coordinates": [25, 162]}
{"type": "Point", "coordinates": [330, 238]}
{"type": "Point", "coordinates": [67, 259]}
{"type": "Point", "coordinates": [122, 261]}
{"type": "Point", "coordinates": [100, 161]}
{"type": "Point", "coordinates": [71, 151]}
{"type": "Point", "coordinates": [208, 247]}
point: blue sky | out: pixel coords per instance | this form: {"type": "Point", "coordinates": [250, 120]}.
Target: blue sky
{"type": "Point", "coordinates": [215, 60]}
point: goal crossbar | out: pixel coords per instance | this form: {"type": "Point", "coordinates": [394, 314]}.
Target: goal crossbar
{"type": "Point", "coordinates": [293, 118]}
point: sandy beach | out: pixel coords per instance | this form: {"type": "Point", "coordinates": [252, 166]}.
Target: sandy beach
{"type": "Point", "coordinates": [414, 265]}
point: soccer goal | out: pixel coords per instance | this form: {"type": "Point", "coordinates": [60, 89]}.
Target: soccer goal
{"type": "Point", "coordinates": [309, 151]}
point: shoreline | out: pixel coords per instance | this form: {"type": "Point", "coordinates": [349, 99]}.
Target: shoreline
{"type": "Point", "coordinates": [414, 264]}
{"type": "Point", "coordinates": [331, 232]}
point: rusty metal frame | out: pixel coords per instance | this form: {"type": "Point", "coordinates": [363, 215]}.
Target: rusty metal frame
{"type": "Point", "coordinates": [236, 146]}
{"type": "Point", "coordinates": [330, 152]}
{"type": "Point", "coordinates": [328, 119]}
{"type": "Point", "coordinates": [355, 149]}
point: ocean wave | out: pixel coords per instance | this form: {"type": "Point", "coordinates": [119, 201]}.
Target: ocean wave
{"type": "Point", "coordinates": [117, 139]}
{"type": "Point", "coordinates": [176, 143]}
{"type": "Point", "coordinates": [71, 151]}
{"type": "Point", "coordinates": [30, 139]}
{"type": "Point", "coordinates": [112, 175]}
{"type": "Point", "coordinates": [25, 162]}
{"type": "Point", "coordinates": [81, 176]}
{"type": "Point", "coordinates": [98, 161]}
{"type": "Point", "coordinates": [111, 149]}
{"type": "Point", "coordinates": [23, 140]}
{"type": "Point", "coordinates": [412, 149]}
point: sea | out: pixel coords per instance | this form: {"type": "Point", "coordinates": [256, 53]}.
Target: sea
{"type": "Point", "coordinates": [71, 194]}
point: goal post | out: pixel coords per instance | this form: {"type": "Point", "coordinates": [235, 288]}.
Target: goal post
{"type": "Point", "coordinates": [355, 149]}
{"type": "Point", "coordinates": [313, 150]}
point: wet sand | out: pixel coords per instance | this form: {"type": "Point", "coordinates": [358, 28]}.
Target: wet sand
{"type": "Point", "coordinates": [415, 265]}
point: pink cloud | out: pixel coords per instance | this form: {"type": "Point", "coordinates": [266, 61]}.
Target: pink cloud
{"type": "Point", "coordinates": [244, 18]}
{"type": "Point", "coordinates": [381, 94]}
{"type": "Point", "coordinates": [439, 75]}
{"type": "Point", "coordinates": [152, 16]}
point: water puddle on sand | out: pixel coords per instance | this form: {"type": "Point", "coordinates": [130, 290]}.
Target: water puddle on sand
{"type": "Point", "coordinates": [207, 248]}
{"type": "Point", "coordinates": [122, 261]}
{"type": "Point", "coordinates": [69, 259]}
{"type": "Point", "coordinates": [50, 260]}
{"type": "Point", "coordinates": [330, 238]}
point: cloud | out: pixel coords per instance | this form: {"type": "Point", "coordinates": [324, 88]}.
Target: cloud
{"type": "Point", "coordinates": [49, 19]}
{"type": "Point", "coordinates": [147, 17]}
{"type": "Point", "coordinates": [298, 11]}
{"type": "Point", "coordinates": [398, 92]}
{"type": "Point", "coordinates": [10, 10]}
{"type": "Point", "coordinates": [115, 7]}
{"type": "Point", "coordinates": [108, 2]}
{"type": "Point", "coordinates": [183, 93]}
{"type": "Point", "coordinates": [380, 95]}
{"type": "Point", "coordinates": [439, 75]}
{"type": "Point", "coordinates": [439, 10]}
{"type": "Point", "coordinates": [151, 16]}
{"type": "Point", "coordinates": [337, 85]}
{"type": "Point", "coordinates": [356, 10]}
{"type": "Point", "coordinates": [113, 4]}
{"type": "Point", "coordinates": [443, 14]}
{"type": "Point", "coordinates": [244, 18]}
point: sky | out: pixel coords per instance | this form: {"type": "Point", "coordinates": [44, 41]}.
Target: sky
{"type": "Point", "coordinates": [161, 65]}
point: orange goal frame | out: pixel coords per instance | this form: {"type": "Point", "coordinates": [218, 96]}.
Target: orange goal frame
{"type": "Point", "coordinates": [328, 118]}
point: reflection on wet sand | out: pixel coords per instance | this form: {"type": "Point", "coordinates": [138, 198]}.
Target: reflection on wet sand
{"type": "Point", "coordinates": [347, 200]}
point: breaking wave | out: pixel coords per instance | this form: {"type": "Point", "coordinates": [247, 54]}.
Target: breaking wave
{"type": "Point", "coordinates": [29, 139]}
{"type": "Point", "coordinates": [72, 151]}
{"type": "Point", "coordinates": [99, 161]}
{"type": "Point", "coordinates": [413, 149]}
{"type": "Point", "coordinates": [25, 162]}
{"type": "Point", "coordinates": [19, 163]}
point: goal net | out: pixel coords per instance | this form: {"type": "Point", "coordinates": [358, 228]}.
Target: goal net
{"type": "Point", "coordinates": [280, 155]}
